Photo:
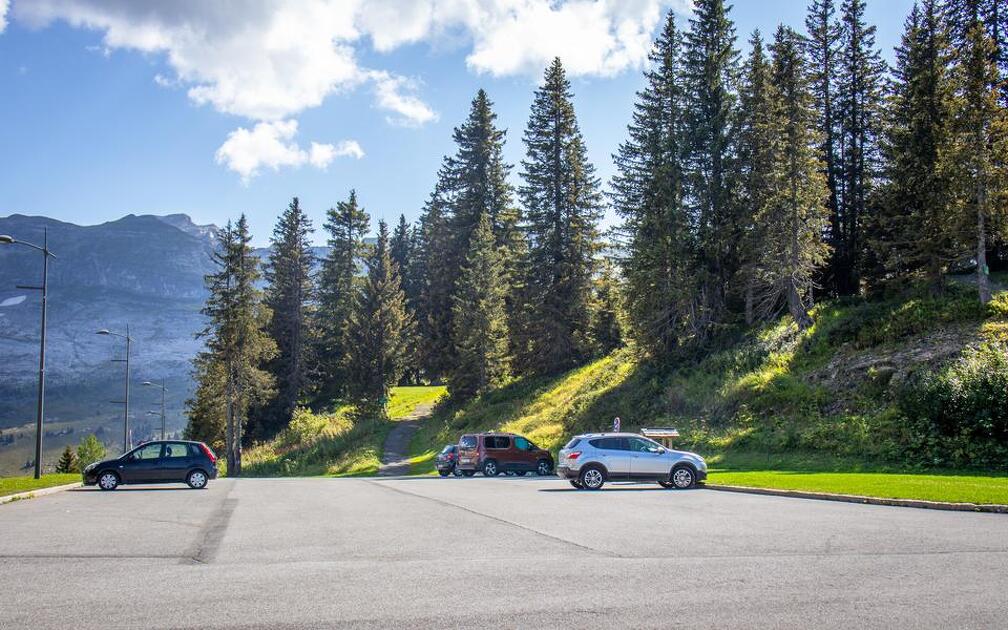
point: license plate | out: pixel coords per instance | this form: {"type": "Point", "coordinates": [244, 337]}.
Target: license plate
{"type": "Point", "coordinates": [466, 460]}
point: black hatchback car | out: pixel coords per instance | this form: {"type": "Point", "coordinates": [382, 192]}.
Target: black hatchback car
{"type": "Point", "coordinates": [170, 461]}
{"type": "Point", "coordinates": [446, 461]}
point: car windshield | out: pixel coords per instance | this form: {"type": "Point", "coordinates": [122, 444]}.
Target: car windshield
{"type": "Point", "coordinates": [467, 441]}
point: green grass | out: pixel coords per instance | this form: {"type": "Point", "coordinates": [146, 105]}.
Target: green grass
{"type": "Point", "coordinates": [14, 485]}
{"type": "Point", "coordinates": [928, 487]}
{"type": "Point", "coordinates": [340, 444]}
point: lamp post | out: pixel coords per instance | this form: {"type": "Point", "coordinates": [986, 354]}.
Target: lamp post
{"type": "Point", "coordinates": [46, 254]}
{"type": "Point", "coordinates": [125, 403]}
{"type": "Point", "coordinates": [163, 392]}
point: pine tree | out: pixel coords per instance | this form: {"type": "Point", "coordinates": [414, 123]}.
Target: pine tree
{"type": "Point", "coordinates": [981, 137]}
{"type": "Point", "coordinates": [562, 202]}
{"type": "Point", "coordinates": [207, 407]}
{"type": "Point", "coordinates": [402, 251]}
{"type": "Point", "coordinates": [237, 345]}
{"type": "Point", "coordinates": [712, 70]}
{"type": "Point", "coordinates": [435, 285]}
{"type": "Point", "coordinates": [289, 295]}
{"type": "Point", "coordinates": [338, 282]}
{"type": "Point", "coordinates": [859, 107]}
{"type": "Point", "coordinates": [67, 462]}
{"type": "Point", "coordinates": [794, 220]}
{"type": "Point", "coordinates": [916, 230]}
{"type": "Point", "coordinates": [648, 195]}
{"type": "Point", "coordinates": [479, 319]}
{"type": "Point", "coordinates": [961, 15]}
{"type": "Point", "coordinates": [760, 156]}
{"type": "Point", "coordinates": [607, 311]}
{"type": "Point", "coordinates": [823, 52]}
{"type": "Point", "coordinates": [378, 330]}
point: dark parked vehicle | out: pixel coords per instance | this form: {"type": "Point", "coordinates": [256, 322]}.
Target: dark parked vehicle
{"type": "Point", "coordinates": [170, 461]}
{"type": "Point", "coordinates": [446, 461]}
{"type": "Point", "coordinates": [494, 453]}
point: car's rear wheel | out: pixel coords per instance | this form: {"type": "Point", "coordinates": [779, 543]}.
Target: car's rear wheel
{"type": "Point", "coordinates": [468, 473]}
{"type": "Point", "coordinates": [683, 477]}
{"type": "Point", "coordinates": [592, 478]}
{"type": "Point", "coordinates": [543, 468]}
{"type": "Point", "coordinates": [575, 483]}
{"type": "Point", "coordinates": [108, 481]}
{"type": "Point", "coordinates": [444, 473]}
{"type": "Point", "coordinates": [196, 479]}
{"type": "Point", "coordinates": [457, 471]}
{"type": "Point", "coordinates": [490, 468]}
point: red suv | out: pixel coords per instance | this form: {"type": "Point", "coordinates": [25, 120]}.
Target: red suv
{"type": "Point", "coordinates": [494, 453]}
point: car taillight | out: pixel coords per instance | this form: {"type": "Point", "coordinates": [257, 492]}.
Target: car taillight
{"type": "Point", "coordinates": [208, 453]}
{"type": "Point", "coordinates": [573, 454]}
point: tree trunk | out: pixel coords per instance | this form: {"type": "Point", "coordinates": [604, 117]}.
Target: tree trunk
{"type": "Point", "coordinates": [983, 282]}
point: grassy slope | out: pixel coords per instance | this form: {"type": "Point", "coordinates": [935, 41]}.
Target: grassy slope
{"type": "Point", "coordinates": [813, 401]}
{"type": "Point", "coordinates": [338, 443]}
{"type": "Point", "coordinates": [13, 485]}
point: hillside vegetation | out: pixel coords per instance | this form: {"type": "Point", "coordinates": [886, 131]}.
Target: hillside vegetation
{"type": "Point", "coordinates": [340, 442]}
{"type": "Point", "coordinates": [910, 383]}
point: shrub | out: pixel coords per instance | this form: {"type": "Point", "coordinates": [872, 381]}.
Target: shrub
{"type": "Point", "coordinates": [959, 414]}
{"type": "Point", "coordinates": [89, 451]}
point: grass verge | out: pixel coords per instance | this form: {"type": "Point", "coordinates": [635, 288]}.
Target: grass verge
{"type": "Point", "coordinates": [951, 488]}
{"type": "Point", "coordinates": [14, 485]}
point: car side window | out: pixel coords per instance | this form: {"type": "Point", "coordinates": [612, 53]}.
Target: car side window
{"type": "Point", "coordinates": [522, 444]}
{"type": "Point", "coordinates": [642, 446]}
{"type": "Point", "coordinates": [497, 441]}
{"type": "Point", "coordinates": [176, 450]}
{"type": "Point", "coordinates": [151, 451]}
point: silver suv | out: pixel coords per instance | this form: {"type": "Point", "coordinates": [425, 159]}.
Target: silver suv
{"type": "Point", "coordinates": [589, 460]}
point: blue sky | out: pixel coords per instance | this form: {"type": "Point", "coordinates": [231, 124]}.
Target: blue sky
{"type": "Point", "coordinates": [110, 107]}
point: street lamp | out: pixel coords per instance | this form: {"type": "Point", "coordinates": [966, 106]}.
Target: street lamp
{"type": "Point", "coordinates": [6, 239]}
{"type": "Point", "coordinates": [125, 403]}
{"type": "Point", "coordinates": [153, 413]}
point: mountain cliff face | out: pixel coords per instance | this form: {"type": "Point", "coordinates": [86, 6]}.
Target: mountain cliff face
{"type": "Point", "coordinates": [144, 271]}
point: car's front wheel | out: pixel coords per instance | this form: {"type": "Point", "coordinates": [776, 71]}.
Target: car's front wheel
{"type": "Point", "coordinates": [490, 468]}
{"type": "Point", "coordinates": [683, 477]}
{"type": "Point", "coordinates": [592, 478]}
{"type": "Point", "coordinates": [197, 480]}
{"type": "Point", "coordinates": [108, 481]}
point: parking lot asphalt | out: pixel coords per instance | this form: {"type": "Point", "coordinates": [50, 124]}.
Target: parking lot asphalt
{"type": "Point", "coordinates": [505, 552]}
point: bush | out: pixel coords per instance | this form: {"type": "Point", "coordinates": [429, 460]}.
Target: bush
{"type": "Point", "coordinates": [67, 462]}
{"type": "Point", "coordinates": [304, 428]}
{"type": "Point", "coordinates": [959, 414]}
{"type": "Point", "coordinates": [89, 451]}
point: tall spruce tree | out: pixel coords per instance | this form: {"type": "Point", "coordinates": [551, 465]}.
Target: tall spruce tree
{"type": "Point", "coordinates": [338, 282]}
{"type": "Point", "coordinates": [859, 107]}
{"type": "Point", "coordinates": [607, 310]}
{"type": "Point", "coordinates": [916, 230]}
{"type": "Point", "coordinates": [760, 155]}
{"type": "Point", "coordinates": [479, 320]}
{"type": "Point", "coordinates": [237, 345]}
{"type": "Point", "coordinates": [562, 205]}
{"type": "Point", "coordinates": [647, 192]}
{"type": "Point", "coordinates": [402, 251]}
{"type": "Point", "coordinates": [981, 139]}
{"type": "Point", "coordinates": [823, 41]}
{"type": "Point", "coordinates": [794, 221]}
{"type": "Point", "coordinates": [712, 70]}
{"type": "Point", "coordinates": [435, 285]}
{"type": "Point", "coordinates": [378, 330]}
{"type": "Point", "coordinates": [290, 290]}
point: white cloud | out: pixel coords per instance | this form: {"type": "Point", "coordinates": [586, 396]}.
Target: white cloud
{"type": "Point", "coordinates": [4, 5]}
{"type": "Point", "coordinates": [269, 60]}
{"type": "Point", "coordinates": [271, 144]}
{"type": "Point", "coordinates": [410, 110]}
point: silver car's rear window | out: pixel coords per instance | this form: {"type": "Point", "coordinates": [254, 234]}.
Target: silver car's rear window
{"type": "Point", "coordinates": [574, 442]}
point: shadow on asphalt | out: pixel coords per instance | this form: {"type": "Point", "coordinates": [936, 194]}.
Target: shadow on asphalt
{"type": "Point", "coordinates": [134, 489]}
